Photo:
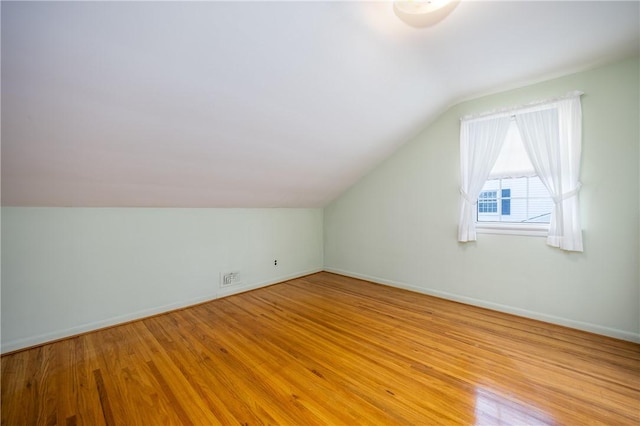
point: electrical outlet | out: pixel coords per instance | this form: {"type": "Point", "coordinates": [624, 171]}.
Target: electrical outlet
{"type": "Point", "coordinates": [229, 278]}
{"type": "Point", "coordinates": [275, 262]}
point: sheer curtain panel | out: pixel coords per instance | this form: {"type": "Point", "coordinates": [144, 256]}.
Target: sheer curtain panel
{"type": "Point", "coordinates": [480, 144]}
{"type": "Point", "coordinates": [552, 135]}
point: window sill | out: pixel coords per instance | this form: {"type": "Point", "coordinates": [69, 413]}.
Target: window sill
{"type": "Point", "coordinates": [524, 229]}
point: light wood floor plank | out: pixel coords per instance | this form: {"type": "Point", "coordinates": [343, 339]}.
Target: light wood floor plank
{"type": "Point", "coordinates": [326, 350]}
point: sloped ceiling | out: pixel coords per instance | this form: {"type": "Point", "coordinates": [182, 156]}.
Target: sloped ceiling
{"type": "Point", "coordinates": [256, 104]}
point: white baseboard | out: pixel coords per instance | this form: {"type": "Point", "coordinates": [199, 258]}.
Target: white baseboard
{"type": "Point", "coordinates": [27, 342]}
{"type": "Point", "coordinates": [579, 325]}
{"type": "Point", "coordinates": [18, 344]}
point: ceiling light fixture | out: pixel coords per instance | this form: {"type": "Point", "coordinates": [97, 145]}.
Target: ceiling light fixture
{"type": "Point", "coordinates": [423, 13]}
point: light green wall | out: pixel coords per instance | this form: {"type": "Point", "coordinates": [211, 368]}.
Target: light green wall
{"type": "Point", "coordinates": [70, 270]}
{"type": "Point", "coordinates": [398, 224]}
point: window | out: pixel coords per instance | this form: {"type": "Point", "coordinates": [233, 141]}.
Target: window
{"type": "Point", "coordinates": [505, 202]}
{"type": "Point", "coordinates": [499, 187]}
{"type": "Point", "coordinates": [487, 202]}
{"type": "Point", "coordinates": [513, 194]}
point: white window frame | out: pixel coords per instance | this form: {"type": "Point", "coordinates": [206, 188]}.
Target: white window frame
{"type": "Point", "coordinates": [511, 228]}
{"type": "Point", "coordinates": [553, 143]}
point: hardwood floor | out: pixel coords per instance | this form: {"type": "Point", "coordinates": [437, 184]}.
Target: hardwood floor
{"type": "Point", "coordinates": [326, 349]}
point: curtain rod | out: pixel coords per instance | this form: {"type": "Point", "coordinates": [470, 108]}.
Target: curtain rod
{"type": "Point", "coordinates": [512, 110]}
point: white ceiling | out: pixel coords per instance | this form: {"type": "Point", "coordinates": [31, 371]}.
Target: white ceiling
{"type": "Point", "coordinates": [267, 104]}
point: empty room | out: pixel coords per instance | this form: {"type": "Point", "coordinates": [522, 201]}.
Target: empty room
{"type": "Point", "coordinates": [320, 213]}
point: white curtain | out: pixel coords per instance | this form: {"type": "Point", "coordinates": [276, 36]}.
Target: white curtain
{"type": "Point", "coordinates": [552, 135]}
{"type": "Point", "coordinates": [480, 144]}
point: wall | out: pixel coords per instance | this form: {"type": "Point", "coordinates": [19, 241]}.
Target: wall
{"type": "Point", "coordinates": [398, 224]}
{"type": "Point", "coordinates": [70, 270]}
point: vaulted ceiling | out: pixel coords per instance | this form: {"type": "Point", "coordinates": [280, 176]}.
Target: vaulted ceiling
{"type": "Point", "coordinates": [257, 104]}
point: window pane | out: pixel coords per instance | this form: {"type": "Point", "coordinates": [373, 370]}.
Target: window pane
{"type": "Point", "coordinates": [513, 159]}
{"type": "Point", "coordinates": [540, 210]}
{"type": "Point", "coordinates": [519, 200]}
